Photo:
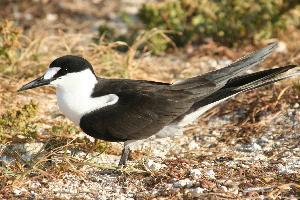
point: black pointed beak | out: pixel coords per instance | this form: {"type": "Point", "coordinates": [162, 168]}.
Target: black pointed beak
{"type": "Point", "coordinates": [35, 83]}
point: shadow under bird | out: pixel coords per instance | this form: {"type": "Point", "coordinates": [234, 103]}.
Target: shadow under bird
{"type": "Point", "coordinates": [123, 110]}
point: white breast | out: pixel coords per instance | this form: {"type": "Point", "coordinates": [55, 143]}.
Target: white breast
{"type": "Point", "coordinates": [74, 99]}
{"type": "Point", "coordinates": [74, 106]}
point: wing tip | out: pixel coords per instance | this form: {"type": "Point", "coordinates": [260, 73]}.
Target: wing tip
{"type": "Point", "coordinates": [272, 45]}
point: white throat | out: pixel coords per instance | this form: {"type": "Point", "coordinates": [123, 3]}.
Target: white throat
{"type": "Point", "coordinates": [74, 91]}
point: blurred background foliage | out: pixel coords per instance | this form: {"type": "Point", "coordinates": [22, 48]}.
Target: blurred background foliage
{"type": "Point", "coordinates": [226, 22]}
{"type": "Point", "coordinates": [181, 22]}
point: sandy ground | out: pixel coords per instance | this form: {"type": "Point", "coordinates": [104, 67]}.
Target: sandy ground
{"type": "Point", "coordinates": [224, 155]}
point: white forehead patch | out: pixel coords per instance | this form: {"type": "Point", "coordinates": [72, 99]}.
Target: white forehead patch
{"type": "Point", "coordinates": [51, 72]}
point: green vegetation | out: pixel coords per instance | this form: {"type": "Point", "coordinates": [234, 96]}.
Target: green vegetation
{"type": "Point", "coordinates": [154, 40]}
{"type": "Point", "coordinates": [19, 123]}
{"type": "Point", "coordinates": [226, 22]}
{"type": "Point", "coordinates": [63, 132]}
{"type": "Point", "coordinates": [9, 45]}
{"type": "Point", "coordinates": [63, 128]}
{"type": "Point", "coordinates": [297, 85]}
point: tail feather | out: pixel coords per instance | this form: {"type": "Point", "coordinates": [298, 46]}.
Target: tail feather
{"type": "Point", "coordinates": [271, 76]}
{"type": "Point", "coordinates": [246, 83]}
{"type": "Point", "coordinates": [214, 80]}
{"type": "Point", "coordinates": [268, 81]}
{"type": "Point", "coordinates": [241, 84]}
{"type": "Point", "coordinates": [249, 78]}
{"type": "Point", "coordinates": [242, 64]}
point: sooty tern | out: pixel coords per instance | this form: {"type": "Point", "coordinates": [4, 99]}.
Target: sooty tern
{"type": "Point", "coordinates": [122, 110]}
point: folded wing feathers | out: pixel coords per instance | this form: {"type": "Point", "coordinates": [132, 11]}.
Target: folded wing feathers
{"type": "Point", "coordinates": [217, 79]}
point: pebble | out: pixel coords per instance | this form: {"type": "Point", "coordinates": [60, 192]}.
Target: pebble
{"type": "Point", "coordinates": [255, 147]}
{"type": "Point", "coordinates": [234, 190]}
{"type": "Point", "coordinates": [290, 112]}
{"type": "Point", "coordinates": [169, 185]}
{"type": "Point", "coordinates": [193, 145]}
{"type": "Point", "coordinates": [284, 169]}
{"type": "Point", "coordinates": [18, 192]}
{"type": "Point", "coordinates": [183, 183]}
{"type": "Point", "coordinates": [282, 47]}
{"type": "Point", "coordinates": [224, 188]}
{"type": "Point", "coordinates": [28, 150]}
{"type": "Point", "coordinates": [224, 62]}
{"type": "Point", "coordinates": [252, 147]}
{"type": "Point", "coordinates": [153, 166]}
{"type": "Point", "coordinates": [260, 157]}
{"type": "Point", "coordinates": [262, 141]}
{"type": "Point", "coordinates": [196, 192]}
{"type": "Point", "coordinates": [35, 185]}
{"type": "Point", "coordinates": [32, 195]}
{"type": "Point", "coordinates": [51, 17]}
{"type": "Point", "coordinates": [211, 174]}
{"type": "Point", "coordinates": [212, 63]}
{"type": "Point", "coordinates": [195, 173]}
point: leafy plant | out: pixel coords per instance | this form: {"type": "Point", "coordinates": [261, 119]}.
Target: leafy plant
{"type": "Point", "coordinates": [19, 123]}
{"type": "Point", "coordinates": [9, 45]}
{"type": "Point", "coordinates": [63, 128]}
{"type": "Point", "coordinates": [225, 21]}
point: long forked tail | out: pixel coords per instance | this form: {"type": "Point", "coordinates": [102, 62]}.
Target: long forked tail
{"type": "Point", "coordinates": [235, 86]}
{"type": "Point", "coordinates": [212, 81]}
{"type": "Point", "coordinates": [248, 82]}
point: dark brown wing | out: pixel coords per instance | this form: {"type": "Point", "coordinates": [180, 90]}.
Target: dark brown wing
{"type": "Point", "coordinates": [206, 84]}
{"type": "Point", "coordinates": [142, 110]}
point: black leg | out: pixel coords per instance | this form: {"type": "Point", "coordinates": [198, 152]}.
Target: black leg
{"type": "Point", "coordinates": [124, 156]}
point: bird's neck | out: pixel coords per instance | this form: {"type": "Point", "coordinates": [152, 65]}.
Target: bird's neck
{"type": "Point", "coordinates": [74, 94]}
{"type": "Point", "coordinates": [82, 82]}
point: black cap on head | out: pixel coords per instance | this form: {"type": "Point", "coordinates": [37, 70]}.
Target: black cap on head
{"type": "Point", "coordinates": [66, 64]}
{"type": "Point", "coordinates": [70, 64]}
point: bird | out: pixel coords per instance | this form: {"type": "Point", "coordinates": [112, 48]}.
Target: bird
{"type": "Point", "coordinates": [126, 110]}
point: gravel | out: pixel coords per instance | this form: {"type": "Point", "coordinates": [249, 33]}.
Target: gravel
{"type": "Point", "coordinates": [207, 158]}
{"type": "Point", "coordinates": [183, 183]}
{"type": "Point", "coordinates": [195, 173]}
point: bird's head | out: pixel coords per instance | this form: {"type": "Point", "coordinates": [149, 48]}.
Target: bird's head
{"type": "Point", "coordinates": [64, 72]}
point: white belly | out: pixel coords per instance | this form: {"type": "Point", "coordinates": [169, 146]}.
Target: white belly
{"type": "Point", "coordinates": [74, 106]}
{"type": "Point", "coordinates": [190, 118]}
